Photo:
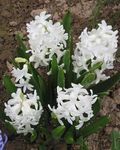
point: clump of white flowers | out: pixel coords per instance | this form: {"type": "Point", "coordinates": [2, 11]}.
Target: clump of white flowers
{"type": "Point", "coordinates": [46, 39]}
{"type": "Point", "coordinates": [96, 45]}
{"type": "Point", "coordinates": [22, 78]}
{"type": "Point", "coordinates": [74, 104]}
{"type": "Point", "coordinates": [24, 110]}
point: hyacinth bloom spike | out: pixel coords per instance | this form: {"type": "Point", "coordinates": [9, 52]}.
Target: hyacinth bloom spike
{"type": "Point", "coordinates": [97, 45]}
{"type": "Point", "coordinates": [46, 39]}
{"type": "Point", "coordinates": [24, 111]}
{"type": "Point", "coordinates": [3, 140]}
{"type": "Point", "coordinates": [74, 103]}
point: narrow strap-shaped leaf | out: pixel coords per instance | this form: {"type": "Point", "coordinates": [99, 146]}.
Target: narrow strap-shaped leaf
{"type": "Point", "coordinates": [96, 107]}
{"type": "Point", "coordinates": [61, 78]}
{"type": "Point", "coordinates": [21, 50]}
{"type": "Point", "coordinates": [9, 85]}
{"type": "Point", "coordinates": [96, 66]}
{"type": "Point", "coordinates": [106, 85]}
{"type": "Point", "coordinates": [115, 136]}
{"type": "Point", "coordinates": [20, 42]}
{"type": "Point", "coordinates": [33, 136]}
{"type": "Point", "coordinates": [10, 128]}
{"type": "Point", "coordinates": [42, 85]}
{"type": "Point", "coordinates": [80, 141]}
{"type": "Point", "coordinates": [88, 78]}
{"type": "Point", "coordinates": [67, 21]}
{"type": "Point", "coordinates": [69, 136]}
{"type": "Point", "coordinates": [58, 132]}
{"type": "Point", "coordinates": [95, 126]}
{"type": "Point", "coordinates": [54, 70]}
{"type": "Point", "coordinates": [38, 82]}
{"type": "Point", "coordinates": [66, 60]}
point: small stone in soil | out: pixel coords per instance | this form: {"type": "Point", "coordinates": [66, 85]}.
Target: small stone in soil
{"type": "Point", "coordinates": [13, 23]}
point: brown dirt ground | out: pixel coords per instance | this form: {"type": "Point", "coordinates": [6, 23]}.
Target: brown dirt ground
{"type": "Point", "coordinates": [14, 14]}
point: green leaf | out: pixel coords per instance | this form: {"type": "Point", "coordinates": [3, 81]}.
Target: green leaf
{"type": "Point", "coordinates": [39, 83]}
{"type": "Point", "coordinates": [33, 136]}
{"type": "Point", "coordinates": [10, 128]}
{"type": "Point", "coordinates": [3, 116]}
{"type": "Point", "coordinates": [96, 107]}
{"type": "Point", "coordinates": [115, 136]}
{"type": "Point", "coordinates": [96, 66]}
{"type": "Point", "coordinates": [54, 70]}
{"type": "Point", "coordinates": [95, 126]}
{"type": "Point", "coordinates": [21, 50]}
{"type": "Point", "coordinates": [66, 60]}
{"type": "Point", "coordinates": [82, 144]}
{"type": "Point", "coordinates": [58, 132]}
{"type": "Point", "coordinates": [42, 147]}
{"type": "Point", "coordinates": [67, 21]}
{"type": "Point", "coordinates": [61, 78]}
{"type": "Point", "coordinates": [10, 87]}
{"type": "Point", "coordinates": [69, 136]}
{"type": "Point", "coordinates": [89, 78]}
{"type": "Point", "coordinates": [107, 84]}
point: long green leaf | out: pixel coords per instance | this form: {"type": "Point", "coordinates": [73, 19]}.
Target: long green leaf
{"type": "Point", "coordinates": [67, 21]}
{"type": "Point", "coordinates": [95, 126]}
{"type": "Point", "coordinates": [33, 136]}
{"type": "Point", "coordinates": [66, 60]}
{"type": "Point", "coordinates": [21, 50]}
{"type": "Point", "coordinates": [96, 107]}
{"type": "Point", "coordinates": [58, 132]}
{"type": "Point", "coordinates": [54, 70]}
{"type": "Point", "coordinates": [69, 136]}
{"type": "Point", "coordinates": [80, 141]}
{"type": "Point", "coordinates": [61, 78]}
{"type": "Point", "coordinates": [89, 78]}
{"type": "Point", "coordinates": [96, 66]}
{"type": "Point", "coordinates": [115, 136]}
{"type": "Point", "coordinates": [106, 85]}
{"type": "Point", "coordinates": [10, 128]}
{"type": "Point", "coordinates": [39, 83]}
{"type": "Point", "coordinates": [9, 85]}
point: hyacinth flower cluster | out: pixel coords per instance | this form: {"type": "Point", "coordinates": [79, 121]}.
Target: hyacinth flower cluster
{"type": "Point", "coordinates": [46, 39]}
{"type": "Point", "coordinates": [68, 99]}
{"type": "Point", "coordinates": [97, 45]}
{"type": "Point", "coordinates": [23, 109]}
{"type": "Point", "coordinates": [73, 104]}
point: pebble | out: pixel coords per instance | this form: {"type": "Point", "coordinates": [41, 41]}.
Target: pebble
{"type": "Point", "coordinates": [13, 23]}
{"type": "Point", "coordinates": [56, 16]}
{"type": "Point", "coordinates": [36, 12]}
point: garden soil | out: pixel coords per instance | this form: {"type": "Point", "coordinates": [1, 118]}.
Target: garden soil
{"type": "Point", "coordinates": [14, 14]}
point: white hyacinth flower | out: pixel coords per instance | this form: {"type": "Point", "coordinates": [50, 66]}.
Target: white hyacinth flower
{"type": "Point", "coordinates": [73, 104]}
{"type": "Point", "coordinates": [25, 85]}
{"type": "Point", "coordinates": [46, 39]}
{"type": "Point", "coordinates": [96, 45]}
{"type": "Point", "coordinates": [20, 73]}
{"type": "Point", "coordinates": [22, 78]}
{"type": "Point", "coordinates": [24, 111]}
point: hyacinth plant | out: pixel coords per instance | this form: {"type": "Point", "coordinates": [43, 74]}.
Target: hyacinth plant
{"type": "Point", "coordinates": [64, 103]}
